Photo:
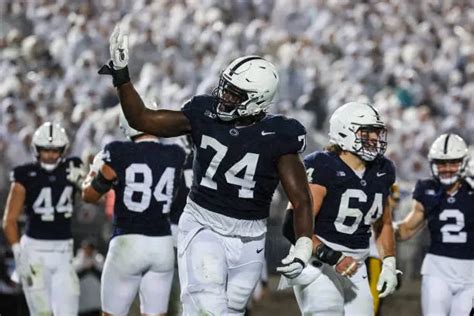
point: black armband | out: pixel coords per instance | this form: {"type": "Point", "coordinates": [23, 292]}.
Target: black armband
{"type": "Point", "coordinates": [119, 76]}
{"type": "Point", "coordinates": [101, 184]}
{"type": "Point", "coordinates": [327, 255]}
{"type": "Point", "coordinates": [288, 226]}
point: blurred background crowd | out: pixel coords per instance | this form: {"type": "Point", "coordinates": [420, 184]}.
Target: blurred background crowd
{"type": "Point", "coordinates": [414, 60]}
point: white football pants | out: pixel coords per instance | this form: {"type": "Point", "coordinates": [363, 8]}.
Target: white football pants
{"type": "Point", "coordinates": [217, 273]}
{"type": "Point", "coordinates": [137, 263]}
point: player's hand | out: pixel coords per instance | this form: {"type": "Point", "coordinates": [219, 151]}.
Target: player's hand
{"type": "Point", "coordinates": [97, 163]}
{"type": "Point", "coordinates": [75, 174]}
{"type": "Point", "coordinates": [297, 259]}
{"type": "Point", "coordinates": [21, 261]}
{"type": "Point", "coordinates": [388, 277]}
{"type": "Point", "coordinates": [347, 266]}
{"type": "Point", "coordinates": [119, 48]}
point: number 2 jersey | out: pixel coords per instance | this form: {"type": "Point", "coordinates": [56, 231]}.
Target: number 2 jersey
{"type": "Point", "coordinates": [351, 203]}
{"type": "Point", "coordinates": [235, 168]}
{"type": "Point", "coordinates": [49, 199]}
{"type": "Point", "coordinates": [450, 218]}
{"type": "Point", "coordinates": [147, 177]}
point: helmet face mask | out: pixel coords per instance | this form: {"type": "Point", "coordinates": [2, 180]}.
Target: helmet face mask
{"type": "Point", "coordinates": [448, 158]}
{"type": "Point", "coordinates": [246, 88]}
{"type": "Point", "coordinates": [372, 142]}
{"type": "Point", "coordinates": [357, 128]}
{"type": "Point", "coordinates": [49, 143]}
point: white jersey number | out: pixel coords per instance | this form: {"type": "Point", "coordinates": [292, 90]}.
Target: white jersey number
{"type": "Point", "coordinates": [345, 211]}
{"type": "Point", "coordinates": [248, 162]}
{"type": "Point", "coordinates": [44, 203]}
{"type": "Point", "coordinates": [451, 233]}
{"type": "Point", "coordinates": [163, 191]}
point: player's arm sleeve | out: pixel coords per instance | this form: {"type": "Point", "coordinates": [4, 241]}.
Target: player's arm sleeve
{"type": "Point", "coordinates": [418, 191]}
{"type": "Point", "coordinates": [109, 156]}
{"type": "Point", "coordinates": [18, 174]}
{"type": "Point", "coordinates": [294, 138]}
{"type": "Point", "coordinates": [317, 170]}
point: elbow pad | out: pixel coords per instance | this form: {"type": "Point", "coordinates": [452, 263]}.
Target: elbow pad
{"type": "Point", "coordinates": [101, 184]}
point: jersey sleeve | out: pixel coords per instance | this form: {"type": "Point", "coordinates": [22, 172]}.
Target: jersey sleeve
{"type": "Point", "coordinates": [317, 169]}
{"type": "Point", "coordinates": [19, 174]}
{"type": "Point", "coordinates": [418, 192]}
{"type": "Point", "coordinates": [293, 140]}
{"type": "Point", "coordinates": [110, 155]}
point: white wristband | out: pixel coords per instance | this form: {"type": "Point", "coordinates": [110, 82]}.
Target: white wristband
{"type": "Point", "coordinates": [390, 262]}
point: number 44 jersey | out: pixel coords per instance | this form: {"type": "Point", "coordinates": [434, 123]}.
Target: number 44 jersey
{"type": "Point", "coordinates": [352, 203]}
{"type": "Point", "coordinates": [450, 218]}
{"type": "Point", "coordinates": [235, 168]}
{"type": "Point", "coordinates": [49, 199]}
{"type": "Point", "coordinates": [147, 177]}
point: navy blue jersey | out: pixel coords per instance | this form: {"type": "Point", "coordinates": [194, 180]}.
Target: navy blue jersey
{"type": "Point", "coordinates": [450, 218]}
{"type": "Point", "coordinates": [235, 168]}
{"type": "Point", "coordinates": [351, 203]}
{"type": "Point", "coordinates": [49, 199]}
{"type": "Point", "coordinates": [183, 189]}
{"type": "Point", "coordinates": [147, 175]}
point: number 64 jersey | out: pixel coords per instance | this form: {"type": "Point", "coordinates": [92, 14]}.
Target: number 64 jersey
{"type": "Point", "coordinates": [352, 203]}
{"type": "Point", "coordinates": [235, 168]}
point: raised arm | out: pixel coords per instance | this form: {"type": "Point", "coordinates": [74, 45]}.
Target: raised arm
{"type": "Point", "coordinates": [162, 123]}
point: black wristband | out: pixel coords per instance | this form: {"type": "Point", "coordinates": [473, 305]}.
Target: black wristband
{"type": "Point", "coordinates": [327, 255]}
{"type": "Point", "coordinates": [100, 184]}
{"type": "Point", "coordinates": [119, 76]}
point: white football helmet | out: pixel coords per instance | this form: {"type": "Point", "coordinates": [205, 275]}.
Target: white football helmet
{"type": "Point", "coordinates": [246, 88]}
{"type": "Point", "coordinates": [349, 128]}
{"type": "Point", "coordinates": [50, 136]}
{"type": "Point", "coordinates": [448, 148]}
{"type": "Point", "coordinates": [128, 131]}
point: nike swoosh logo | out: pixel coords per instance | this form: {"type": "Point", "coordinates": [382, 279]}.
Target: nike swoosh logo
{"type": "Point", "coordinates": [259, 250]}
{"type": "Point", "coordinates": [267, 133]}
{"type": "Point", "coordinates": [380, 174]}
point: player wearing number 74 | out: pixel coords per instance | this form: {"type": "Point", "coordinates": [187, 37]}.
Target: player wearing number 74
{"type": "Point", "coordinates": [446, 203]}
{"type": "Point", "coordinates": [241, 153]}
{"type": "Point", "coordinates": [46, 191]}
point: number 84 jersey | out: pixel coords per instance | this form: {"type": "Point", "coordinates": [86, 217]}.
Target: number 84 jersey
{"type": "Point", "coordinates": [235, 169]}
{"type": "Point", "coordinates": [450, 218]}
{"type": "Point", "coordinates": [351, 203]}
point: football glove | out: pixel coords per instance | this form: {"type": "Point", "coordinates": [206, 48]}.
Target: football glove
{"type": "Point", "coordinates": [297, 259]}
{"type": "Point", "coordinates": [21, 261]}
{"type": "Point", "coordinates": [117, 66]}
{"type": "Point", "coordinates": [388, 277]}
{"type": "Point", "coordinates": [97, 163]}
{"type": "Point", "coordinates": [76, 174]}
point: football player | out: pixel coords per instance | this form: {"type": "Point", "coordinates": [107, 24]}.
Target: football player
{"type": "Point", "coordinates": [446, 203]}
{"type": "Point", "coordinates": [241, 153]}
{"type": "Point", "coordinates": [144, 174]}
{"type": "Point", "coordinates": [45, 190]}
{"type": "Point", "coordinates": [350, 184]}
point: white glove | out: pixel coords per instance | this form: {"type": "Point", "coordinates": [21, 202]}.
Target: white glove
{"type": "Point", "coordinates": [75, 174]}
{"type": "Point", "coordinates": [97, 163]}
{"type": "Point", "coordinates": [21, 261]}
{"type": "Point", "coordinates": [119, 48]}
{"type": "Point", "coordinates": [388, 277]}
{"type": "Point", "coordinates": [297, 259]}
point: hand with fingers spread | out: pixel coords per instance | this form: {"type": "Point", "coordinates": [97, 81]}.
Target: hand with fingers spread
{"type": "Point", "coordinates": [117, 66]}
